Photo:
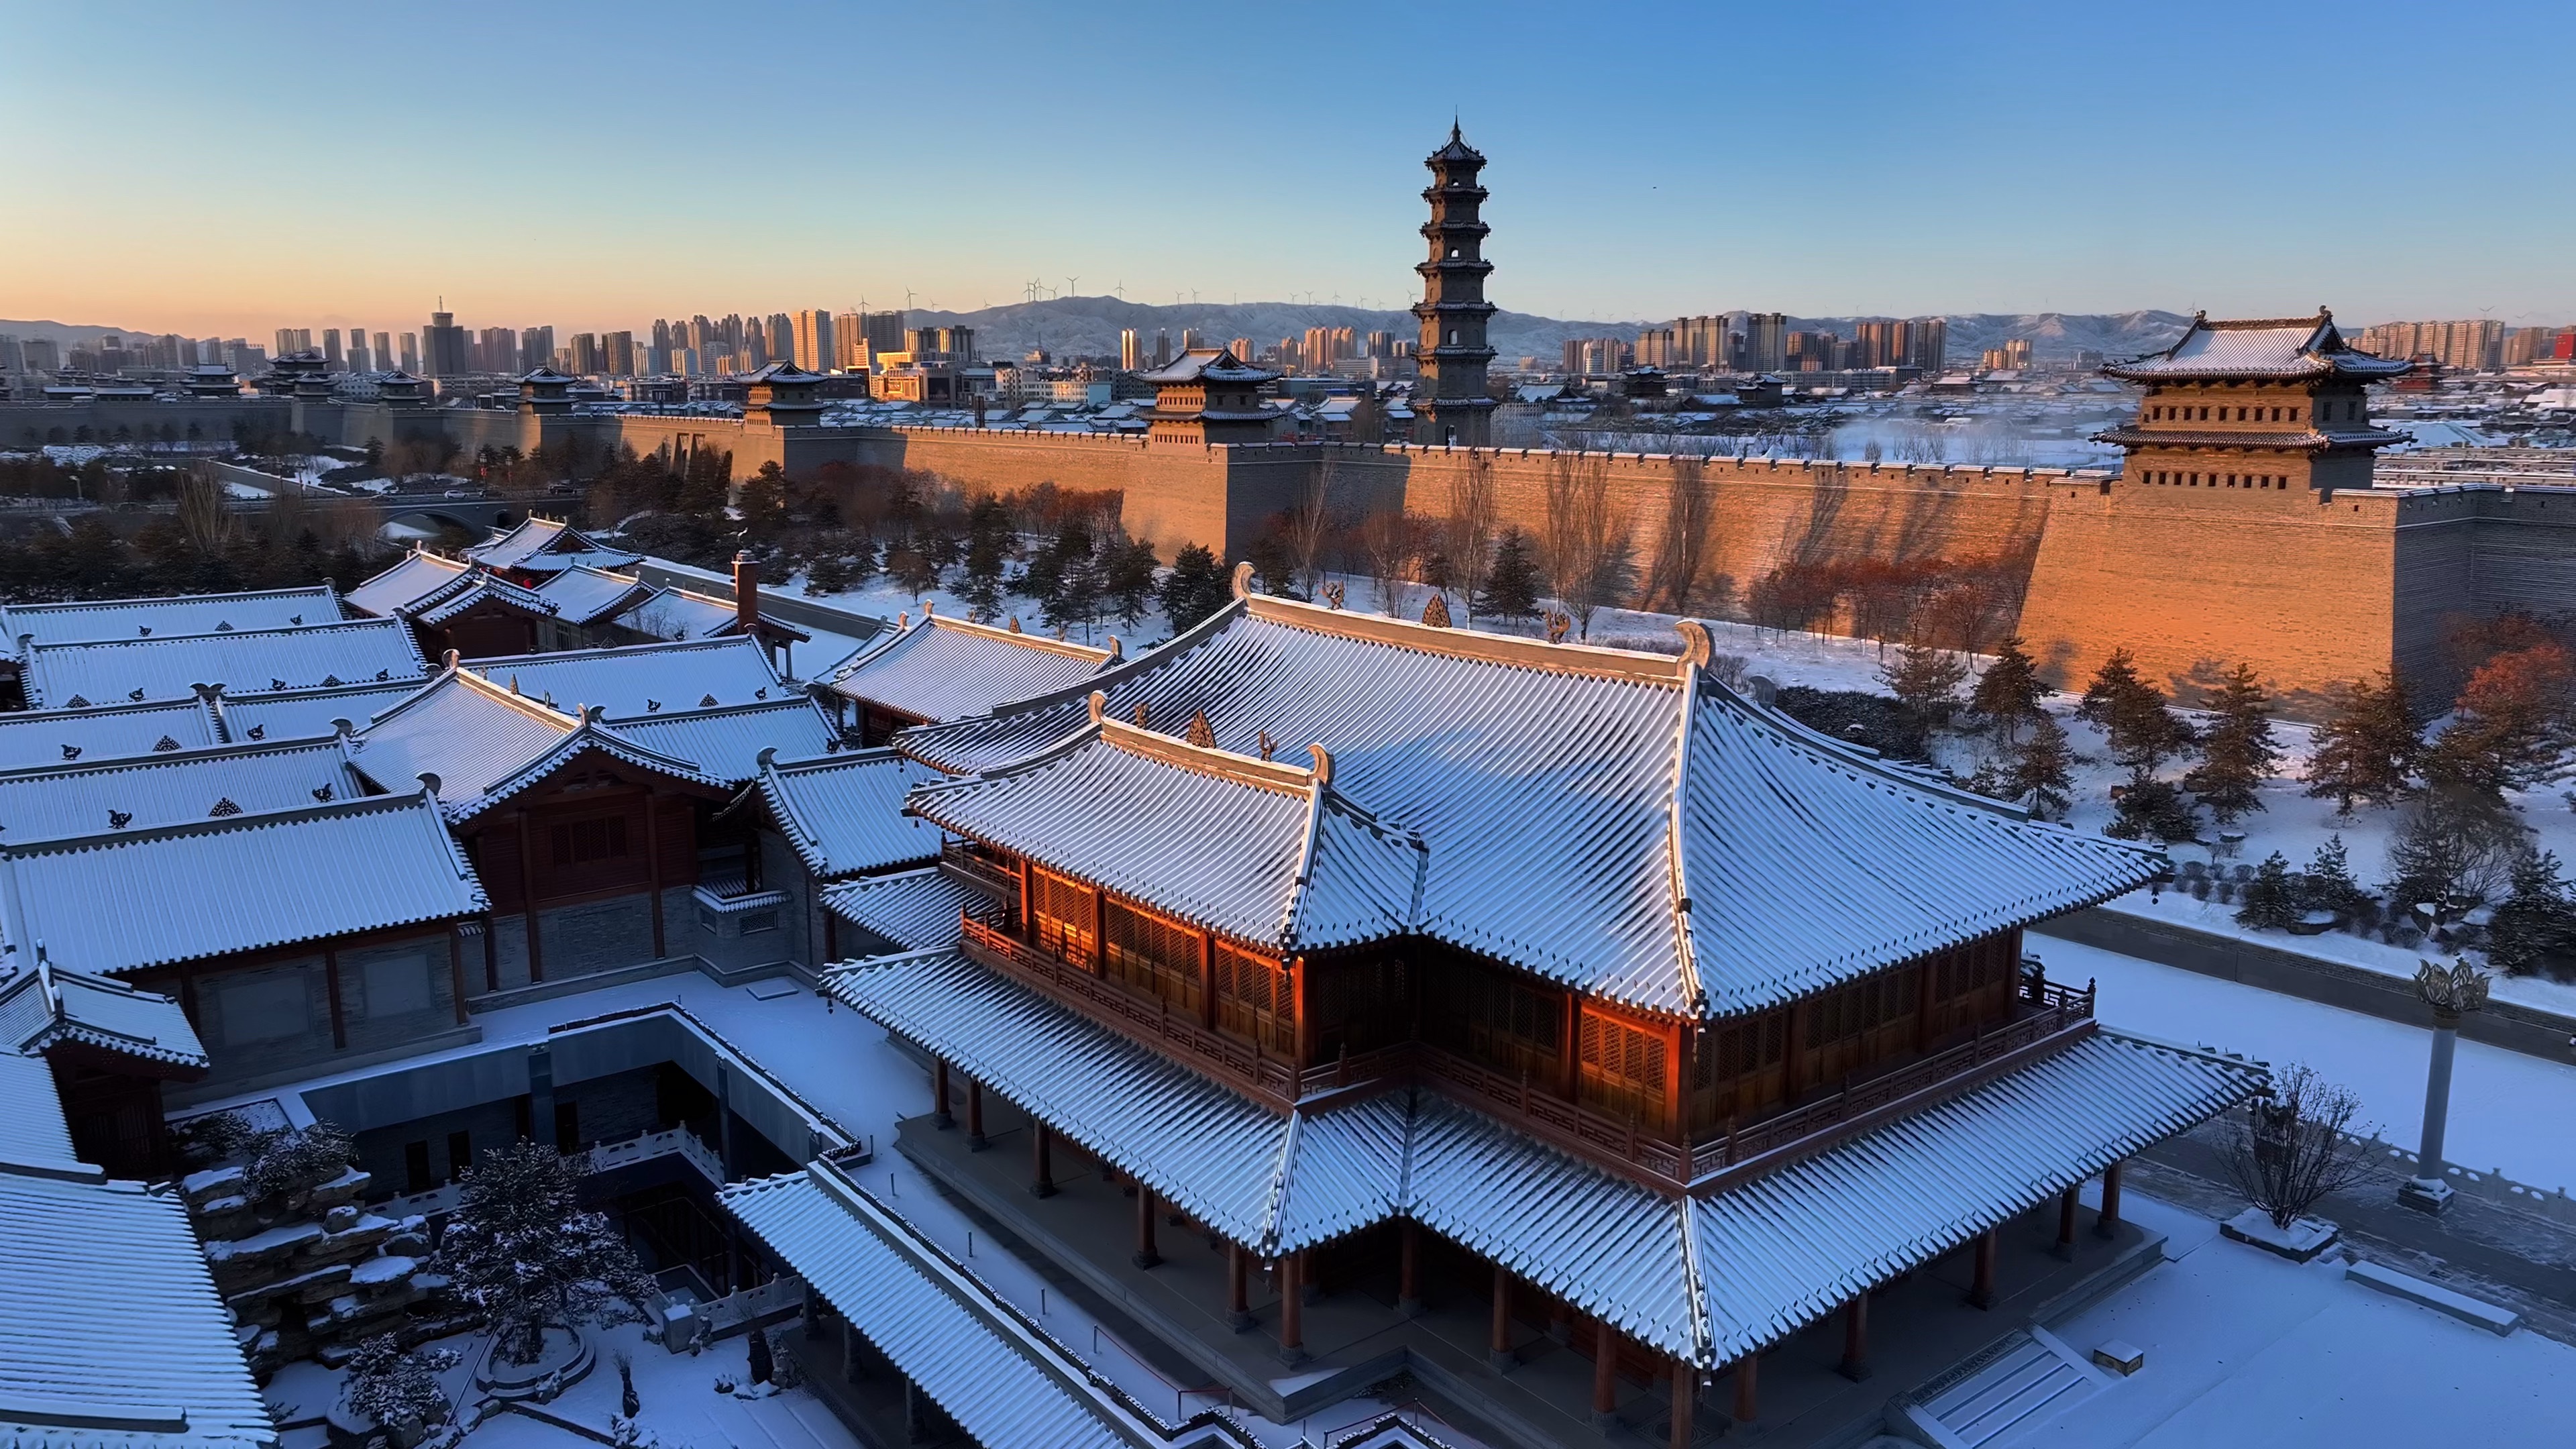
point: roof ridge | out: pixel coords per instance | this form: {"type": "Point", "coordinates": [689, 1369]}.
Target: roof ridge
{"type": "Point", "coordinates": [220, 824]}
{"type": "Point", "coordinates": [1204, 759]}
{"type": "Point", "coordinates": [473, 680]}
{"type": "Point", "coordinates": [1471, 644]}
{"type": "Point", "coordinates": [293, 591]}
{"type": "Point", "coordinates": [185, 754]}
{"type": "Point", "coordinates": [372, 621]}
{"type": "Point", "coordinates": [1038, 642]}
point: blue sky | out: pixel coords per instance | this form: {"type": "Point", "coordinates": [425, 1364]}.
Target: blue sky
{"type": "Point", "coordinates": [231, 168]}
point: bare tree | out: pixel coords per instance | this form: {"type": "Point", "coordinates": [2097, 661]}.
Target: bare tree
{"type": "Point", "coordinates": [1391, 542]}
{"type": "Point", "coordinates": [1472, 510]}
{"type": "Point", "coordinates": [208, 525]}
{"type": "Point", "coordinates": [2295, 1146]}
{"type": "Point", "coordinates": [1313, 518]}
{"type": "Point", "coordinates": [1681, 554]}
{"type": "Point", "coordinates": [1587, 553]}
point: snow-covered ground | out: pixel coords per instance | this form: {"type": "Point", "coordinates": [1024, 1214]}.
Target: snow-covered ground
{"type": "Point", "coordinates": [2509, 1111]}
{"type": "Point", "coordinates": [2248, 1351]}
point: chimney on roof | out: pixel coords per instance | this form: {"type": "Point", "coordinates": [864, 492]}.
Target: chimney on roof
{"type": "Point", "coordinates": [746, 591]}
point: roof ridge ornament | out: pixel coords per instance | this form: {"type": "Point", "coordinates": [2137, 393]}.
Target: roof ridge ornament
{"type": "Point", "coordinates": [1201, 733]}
{"type": "Point", "coordinates": [1323, 770]}
{"type": "Point", "coordinates": [1243, 579]}
{"type": "Point", "coordinates": [1697, 647]}
{"type": "Point", "coordinates": [1099, 703]}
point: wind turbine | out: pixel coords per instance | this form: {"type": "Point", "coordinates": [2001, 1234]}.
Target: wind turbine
{"type": "Point", "coordinates": [1069, 288]}
{"type": "Point", "coordinates": [1120, 291]}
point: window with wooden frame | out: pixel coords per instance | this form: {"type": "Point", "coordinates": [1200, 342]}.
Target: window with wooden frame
{"type": "Point", "coordinates": [589, 852]}
{"type": "Point", "coordinates": [1061, 915]}
{"type": "Point", "coordinates": [1256, 999]}
{"type": "Point", "coordinates": [1359, 1005]}
{"type": "Point", "coordinates": [1740, 1068]}
{"type": "Point", "coordinates": [1624, 1067]}
{"type": "Point", "coordinates": [1148, 954]}
{"type": "Point", "coordinates": [1971, 983]}
{"type": "Point", "coordinates": [1864, 1022]}
{"type": "Point", "coordinates": [1496, 1019]}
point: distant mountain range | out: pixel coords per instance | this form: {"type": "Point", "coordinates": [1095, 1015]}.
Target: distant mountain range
{"type": "Point", "coordinates": [1076, 325]}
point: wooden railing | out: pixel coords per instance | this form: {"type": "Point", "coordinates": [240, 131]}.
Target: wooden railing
{"type": "Point", "coordinates": [2055, 1016]}
{"type": "Point", "coordinates": [960, 858]}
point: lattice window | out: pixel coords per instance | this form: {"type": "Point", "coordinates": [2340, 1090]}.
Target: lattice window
{"type": "Point", "coordinates": [1062, 915]}
{"type": "Point", "coordinates": [1256, 999]}
{"type": "Point", "coordinates": [1150, 954]}
{"type": "Point", "coordinates": [1623, 1070]}
{"type": "Point", "coordinates": [1501, 1021]}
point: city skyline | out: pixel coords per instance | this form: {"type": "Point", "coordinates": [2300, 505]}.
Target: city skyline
{"type": "Point", "coordinates": [1775, 183]}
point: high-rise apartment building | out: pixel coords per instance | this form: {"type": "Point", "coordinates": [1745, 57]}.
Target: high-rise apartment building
{"type": "Point", "coordinates": [411, 353]}
{"type": "Point", "coordinates": [294, 339]}
{"type": "Point", "coordinates": [814, 349]}
{"type": "Point", "coordinates": [1162, 348]}
{"type": "Point", "coordinates": [360, 359]}
{"type": "Point", "coordinates": [331, 355]}
{"type": "Point", "coordinates": [1131, 350]}
{"type": "Point", "coordinates": [618, 354]}
{"type": "Point", "coordinates": [849, 342]}
{"type": "Point", "coordinates": [384, 351]}
{"type": "Point", "coordinates": [446, 350]}
{"type": "Point", "coordinates": [536, 348]}
{"type": "Point", "coordinates": [1766, 341]}
{"type": "Point", "coordinates": [584, 353]}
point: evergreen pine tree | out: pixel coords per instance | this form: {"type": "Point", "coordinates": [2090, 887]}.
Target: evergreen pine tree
{"type": "Point", "coordinates": [1129, 579]}
{"type": "Point", "coordinates": [2116, 681]}
{"type": "Point", "coordinates": [2043, 769]}
{"type": "Point", "coordinates": [1926, 680]}
{"type": "Point", "coordinates": [2152, 809]}
{"type": "Point", "coordinates": [2270, 902]}
{"type": "Point", "coordinates": [1512, 584]}
{"type": "Point", "coordinates": [2238, 753]}
{"type": "Point", "coordinates": [1196, 587]}
{"type": "Point", "coordinates": [2142, 730]}
{"type": "Point", "coordinates": [2009, 692]}
{"type": "Point", "coordinates": [2367, 748]}
{"type": "Point", "coordinates": [988, 548]}
{"type": "Point", "coordinates": [521, 1250]}
{"type": "Point", "coordinates": [2328, 883]}
{"type": "Point", "coordinates": [2536, 924]}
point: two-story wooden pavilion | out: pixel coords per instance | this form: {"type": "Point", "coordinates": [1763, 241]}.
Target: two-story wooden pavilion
{"type": "Point", "coordinates": [1690, 1019]}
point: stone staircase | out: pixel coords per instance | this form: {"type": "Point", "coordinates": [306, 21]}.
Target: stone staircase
{"type": "Point", "coordinates": [2017, 1382]}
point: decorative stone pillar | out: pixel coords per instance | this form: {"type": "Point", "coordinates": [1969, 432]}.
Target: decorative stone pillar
{"type": "Point", "coordinates": [2451, 994]}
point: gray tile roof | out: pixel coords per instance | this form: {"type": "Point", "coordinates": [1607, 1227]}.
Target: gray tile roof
{"type": "Point", "coordinates": [53, 736]}
{"type": "Point", "coordinates": [642, 679]}
{"type": "Point", "coordinates": [940, 669]}
{"type": "Point", "coordinates": [1708, 1278]}
{"type": "Point", "coordinates": [486, 744]}
{"type": "Point", "coordinates": [843, 814]}
{"type": "Point", "coordinates": [1611, 820]}
{"type": "Point", "coordinates": [544, 544]}
{"type": "Point", "coordinates": [169, 666]}
{"type": "Point", "coordinates": [2292, 347]}
{"type": "Point", "coordinates": [918, 910]}
{"type": "Point", "coordinates": [725, 742]}
{"type": "Point", "coordinates": [1260, 851]}
{"type": "Point", "coordinates": [174, 614]}
{"type": "Point", "coordinates": [122, 900]}
{"type": "Point", "coordinates": [308, 713]}
{"type": "Point", "coordinates": [415, 577]}
{"type": "Point", "coordinates": [147, 791]}
{"type": "Point", "coordinates": [43, 1006]}
{"type": "Point", "coordinates": [588, 595]}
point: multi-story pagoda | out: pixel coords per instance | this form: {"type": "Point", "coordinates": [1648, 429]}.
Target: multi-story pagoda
{"type": "Point", "coordinates": [1563, 972]}
{"type": "Point", "coordinates": [2264, 406]}
{"type": "Point", "coordinates": [1453, 399]}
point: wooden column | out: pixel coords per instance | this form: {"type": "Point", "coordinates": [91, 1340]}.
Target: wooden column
{"type": "Point", "coordinates": [831, 935]}
{"type": "Point", "coordinates": [1041, 1160]}
{"type": "Point", "coordinates": [1855, 1364]}
{"type": "Point", "coordinates": [653, 867]}
{"type": "Point", "coordinates": [1498, 1344]}
{"type": "Point", "coordinates": [1748, 1388]}
{"type": "Point", "coordinates": [1028, 901]}
{"type": "Point", "coordinates": [1794, 1063]}
{"type": "Point", "coordinates": [2067, 1202]}
{"type": "Point", "coordinates": [1685, 1400]}
{"type": "Point", "coordinates": [2109, 1222]}
{"type": "Point", "coordinates": [1305, 1035]}
{"type": "Point", "coordinates": [528, 897]}
{"type": "Point", "coordinates": [1145, 1256]}
{"type": "Point", "coordinates": [1207, 981]}
{"type": "Point", "coordinates": [1605, 1372]}
{"type": "Point", "coordinates": [331, 984]}
{"type": "Point", "coordinates": [1238, 1287]}
{"type": "Point", "coordinates": [1983, 1294]}
{"type": "Point", "coordinates": [1923, 1004]}
{"type": "Point", "coordinates": [939, 1092]}
{"type": "Point", "coordinates": [1292, 1306]}
{"type": "Point", "coordinates": [1408, 1267]}
{"type": "Point", "coordinates": [1569, 1066]}
{"type": "Point", "coordinates": [975, 1138]}
{"type": "Point", "coordinates": [1677, 1092]}
{"type": "Point", "coordinates": [1099, 931]}
{"type": "Point", "coordinates": [456, 970]}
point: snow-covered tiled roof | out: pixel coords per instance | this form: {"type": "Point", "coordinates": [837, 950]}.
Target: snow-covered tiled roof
{"type": "Point", "coordinates": [115, 1337]}
{"type": "Point", "coordinates": [677, 614]}
{"type": "Point", "coordinates": [119, 901]}
{"type": "Point", "coordinates": [1207, 364]}
{"type": "Point", "coordinates": [43, 1006]}
{"type": "Point", "coordinates": [485, 744]}
{"type": "Point", "coordinates": [308, 713]}
{"type": "Point", "coordinates": [176, 614]}
{"type": "Point", "coordinates": [1258, 850]}
{"type": "Point", "coordinates": [588, 595]}
{"type": "Point", "coordinates": [1607, 819]}
{"type": "Point", "coordinates": [917, 910]}
{"type": "Point", "coordinates": [142, 792]}
{"type": "Point", "coordinates": [1708, 1278]}
{"type": "Point", "coordinates": [642, 679]}
{"type": "Point", "coordinates": [416, 576]}
{"type": "Point", "coordinates": [725, 742]}
{"type": "Point", "coordinates": [54, 736]}
{"type": "Point", "coordinates": [357, 651]}
{"type": "Point", "coordinates": [940, 668]}
{"type": "Point", "coordinates": [545, 544]}
{"type": "Point", "coordinates": [997, 1375]}
{"type": "Point", "coordinates": [470, 591]}
{"type": "Point", "coordinates": [32, 1130]}
{"type": "Point", "coordinates": [2291, 347]}
{"type": "Point", "coordinates": [843, 814]}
